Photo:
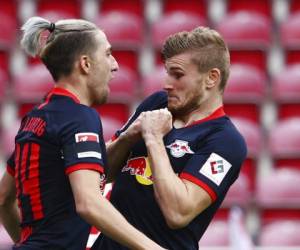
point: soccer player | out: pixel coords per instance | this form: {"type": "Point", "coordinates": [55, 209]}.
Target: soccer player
{"type": "Point", "coordinates": [60, 154]}
{"type": "Point", "coordinates": [179, 153]}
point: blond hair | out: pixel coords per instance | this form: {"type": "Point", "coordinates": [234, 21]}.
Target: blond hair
{"type": "Point", "coordinates": [67, 39]}
{"type": "Point", "coordinates": [209, 48]}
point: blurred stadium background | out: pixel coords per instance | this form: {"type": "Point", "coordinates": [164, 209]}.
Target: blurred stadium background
{"type": "Point", "coordinates": [262, 209]}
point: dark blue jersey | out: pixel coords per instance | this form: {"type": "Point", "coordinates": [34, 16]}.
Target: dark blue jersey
{"type": "Point", "coordinates": [209, 153]}
{"type": "Point", "coordinates": [56, 138]}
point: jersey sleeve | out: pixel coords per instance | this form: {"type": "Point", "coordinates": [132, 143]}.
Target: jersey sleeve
{"type": "Point", "coordinates": [10, 165]}
{"type": "Point", "coordinates": [216, 165]}
{"type": "Point", "coordinates": [82, 142]}
{"type": "Point", "coordinates": [155, 101]}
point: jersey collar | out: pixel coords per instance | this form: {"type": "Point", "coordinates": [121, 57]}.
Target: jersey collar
{"type": "Point", "coordinates": [219, 112]}
{"type": "Point", "coordinates": [64, 92]}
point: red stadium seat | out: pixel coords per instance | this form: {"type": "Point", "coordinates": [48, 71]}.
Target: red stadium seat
{"type": "Point", "coordinates": [239, 193]}
{"type": "Point", "coordinates": [123, 86]}
{"type": "Point", "coordinates": [263, 7]}
{"type": "Point", "coordinates": [70, 7]}
{"type": "Point", "coordinates": [135, 7]}
{"type": "Point", "coordinates": [55, 15]}
{"type": "Point", "coordinates": [8, 138]}
{"type": "Point", "coordinates": [276, 190]}
{"type": "Point", "coordinates": [248, 36]}
{"type": "Point", "coordinates": [117, 111]}
{"type": "Point", "coordinates": [33, 84]}
{"type": "Point", "coordinates": [285, 139]}
{"type": "Point", "coordinates": [217, 234]}
{"type": "Point", "coordinates": [252, 134]}
{"type": "Point", "coordinates": [9, 7]}
{"type": "Point", "coordinates": [127, 41]}
{"type": "Point", "coordinates": [8, 27]}
{"type": "Point", "coordinates": [245, 91]}
{"type": "Point", "coordinates": [294, 6]}
{"type": "Point", "coordinates": [154, 81]}
{"type": "Point", "coordinates": [3, 84]}
{"type": "Point", "coordinates": [195, 7]}
{"type": "Point", "coordinates": [131, 34]}
{"type": "Point", "coordinates": [4, 62]}
{"type": "Point", "coordinates": [281, 233]}
{"type": "Point", "coordinates": [286, 91]}
{"type": "Point", "coordinates": [110, 126]}
{"type": "Point", "coordinates": [290, 38]}
{"type": "Point", "coordinates": [172, 23]}
{"type": "Point", "coordinates": [246, 84]}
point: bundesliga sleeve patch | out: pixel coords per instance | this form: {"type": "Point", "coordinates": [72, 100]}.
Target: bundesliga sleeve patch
{"type": "Point", "coordinates": [82, 137]}
{"type": "Point", "coordinates": [87, 145]}
{"type": "Point", "coordinates": [215, 168]}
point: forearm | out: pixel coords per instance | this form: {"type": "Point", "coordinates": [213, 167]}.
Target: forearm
{"type": "Point", "coordinates": [170, 190]}
{"type": "Point", "coordinates": [110, 222]}
{"type": "Point", "coordinates": [10, 218]}
{"type": "Point", "coordinates": [117, 154]}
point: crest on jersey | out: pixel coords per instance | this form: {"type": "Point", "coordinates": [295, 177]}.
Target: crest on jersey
{"type": "Point", "coordinates": [179, 148]}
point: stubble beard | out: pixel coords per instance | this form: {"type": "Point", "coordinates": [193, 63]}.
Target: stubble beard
{"type": "Point", "coordinates": [186, 109]}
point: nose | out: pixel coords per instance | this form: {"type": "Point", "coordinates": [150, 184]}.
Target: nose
{"type": "Point", "coordinates": [115, 65]}
{"type": "Point", "coordinates": [168, 84]}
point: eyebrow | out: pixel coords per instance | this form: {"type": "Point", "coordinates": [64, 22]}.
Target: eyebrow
{"type": "Point", "coordinates": [174, 68]}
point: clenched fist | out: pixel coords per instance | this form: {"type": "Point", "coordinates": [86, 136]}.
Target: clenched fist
{"type": "Point", "coordinates": [156, 123]}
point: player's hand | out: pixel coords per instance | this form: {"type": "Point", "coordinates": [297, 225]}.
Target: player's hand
{"type": "Point", "coordinates": [156, 123]}
{"type": "Point", "coordinates": [133, 132]}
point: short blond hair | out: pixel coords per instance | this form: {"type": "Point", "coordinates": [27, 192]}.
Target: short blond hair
{"type": "Point", "coordinates": [210, 50]}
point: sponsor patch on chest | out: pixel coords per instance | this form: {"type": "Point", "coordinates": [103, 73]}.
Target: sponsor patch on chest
{"type": "Point", "coordinates": [215, 168]}
{"type": "Point", "coordinates": [179, 148]}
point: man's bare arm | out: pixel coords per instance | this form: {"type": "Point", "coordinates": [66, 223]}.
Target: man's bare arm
{"type": "Point", "coordinates": [98, 211]}
{"type": "Point", "coordinates": [9, 212]}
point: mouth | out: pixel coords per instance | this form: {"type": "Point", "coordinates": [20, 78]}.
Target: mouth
{"type": "Point", "coordinates": [172, 98]}
{"type": "Point", "coordinates": [113, 73]}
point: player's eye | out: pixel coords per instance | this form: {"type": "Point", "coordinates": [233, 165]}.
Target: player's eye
{"type": "Point", "coordinates": [177, 75]}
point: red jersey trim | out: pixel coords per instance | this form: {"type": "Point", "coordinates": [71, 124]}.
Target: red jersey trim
{"type": "Point", "coordinates": [114, 137]}
{"type": "Point", "coordinates": [200, 183]}
{"type": "Point", "coordinates": [10, 170]}
{"type": "Point", "coordinates": [59, 91]}
{"type": "Point", "coordinates": [219, 112]}
{"type": "Point", "coordinates": [82, 166]}
{"type": "Point", "coordinates": [25, 233]}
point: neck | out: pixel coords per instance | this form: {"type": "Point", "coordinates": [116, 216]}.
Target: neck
{"type": "Point", "coordinates": [204, 110]}
{"type": "Point", "coordinates": [76, 87]}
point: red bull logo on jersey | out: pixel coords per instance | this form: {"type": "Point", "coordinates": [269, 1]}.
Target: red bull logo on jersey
{"type": "Point", "coordinates": [179, 148]}
{"type": "Point", "coordinates": [140, 168]}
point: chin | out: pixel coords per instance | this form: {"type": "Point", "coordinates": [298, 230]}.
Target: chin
{"type": "Point", "coordinates": [100, 100]}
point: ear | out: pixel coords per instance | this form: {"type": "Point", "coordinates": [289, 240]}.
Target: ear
{"type": "Point", "coordinates": [84, 64]}
{"type": "Point", "coordinates": [213, 78]}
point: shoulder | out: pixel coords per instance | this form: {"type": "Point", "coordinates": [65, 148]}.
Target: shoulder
{"type": "Point", "coordinates": [227, 140]}
{"type": "Point", "coordinates": [66, 113]}
{"type": "Point", "coordinates": [155, 101]}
